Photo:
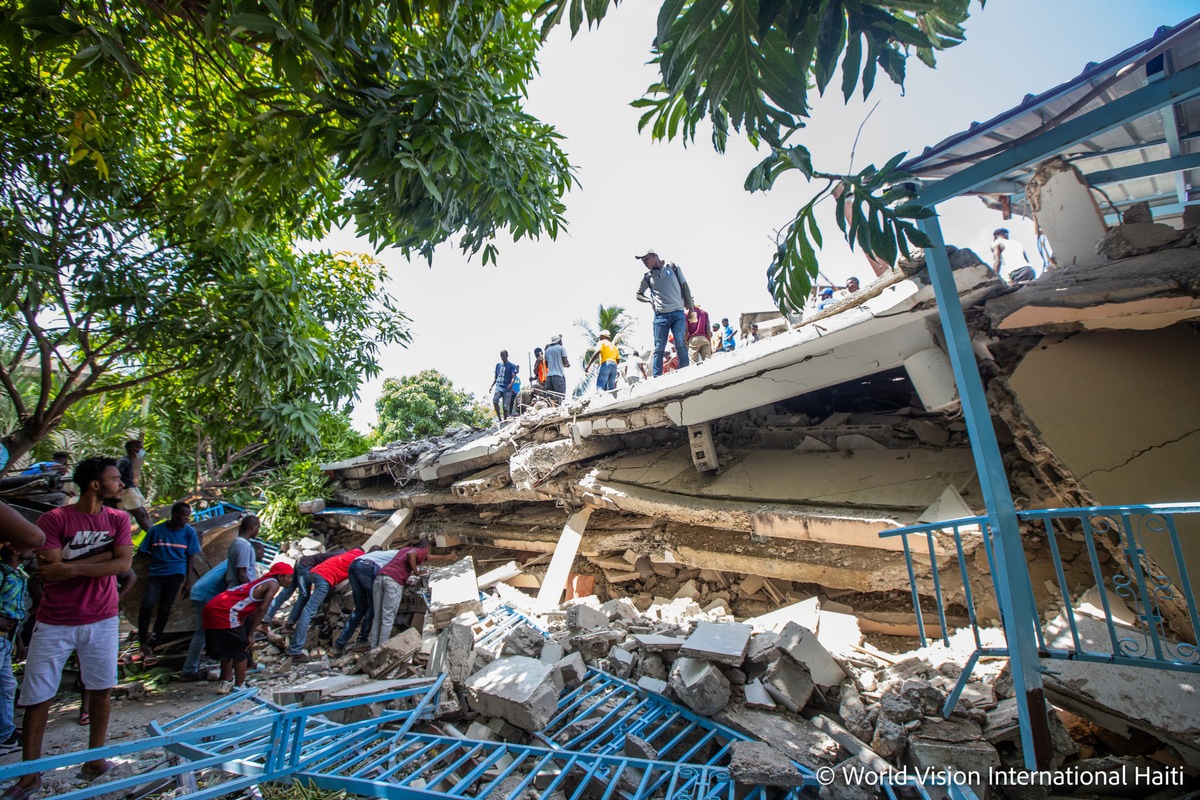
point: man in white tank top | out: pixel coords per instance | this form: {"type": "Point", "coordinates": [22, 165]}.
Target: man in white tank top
{"type": "Point", "coordinates": [1009, 259]}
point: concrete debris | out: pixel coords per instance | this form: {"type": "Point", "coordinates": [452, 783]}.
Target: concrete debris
{"type": "Point", "coordinates": [517, 689]}
{"type": "Point", "coordinates": [759, 764]}
{"type": "Point", "coordinates": [718, 643]}
{"type": "Point", "coordinates": [585, 618]}
{"type": "Point", "coordinates": [524, 640]}
{"type": "Point", "coordinates": [636, 747]}
{"type": "Point", "coordinates": [699, 685]}
{"type": "Point", "coordinates": [620, 662]}
{"type": "Point", "coordinates": [889, 738]}
{"type": "Point", "coordinates": [757, 696]}
{"type": "Point", "coordinates": [453, 653]}
{"type": "Point", "coordinates": [789, 684]}
{"type": "Point", "coordinates": [802, 645]}
{"type": "Point", "coordinates": [572, 669]}
{"type": "Point", "coordinates": [452, 591]}
{"type": "Point", "coordinates": [393, 656]}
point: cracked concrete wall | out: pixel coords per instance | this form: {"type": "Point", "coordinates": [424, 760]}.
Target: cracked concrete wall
{"type": "Point", "coordinates": [1120, 409]}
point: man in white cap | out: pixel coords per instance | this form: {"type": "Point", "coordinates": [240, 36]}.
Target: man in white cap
{"type": "Point", "coordinates": [671, 299]}
{"type": "Point", "coordinates": [556, 378]}
{"type": "Point", "coordinates": [606, 351]}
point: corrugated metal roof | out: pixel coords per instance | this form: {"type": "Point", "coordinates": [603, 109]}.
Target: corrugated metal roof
{"type": "Point", "coordinates": [1138, 141]}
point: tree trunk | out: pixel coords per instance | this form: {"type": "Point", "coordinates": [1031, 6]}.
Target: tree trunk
{"type": "Point", "coordinates": [23, 439]}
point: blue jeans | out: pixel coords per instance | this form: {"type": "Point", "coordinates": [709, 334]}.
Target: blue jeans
{"type": "Point", "coordinates": [302, 583]}
{"type": "Point", "coordinates": [191, 664]}
{"type": "Point", "coordinates": [606, 379]}
{"type": "Point", "coordinates": [320, 590]}
{"type": "Point", "coordinates": [674, 322]}
{"type": "Point", "coordinates": [362, 579]}
{"type": "Point", "coordinates": [8, 689]}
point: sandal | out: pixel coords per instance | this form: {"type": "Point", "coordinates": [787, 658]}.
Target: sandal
{"type": "Point", "coordinates": [150, 660]}
{"type": "Point", "coordinates": [16, 792]}
{"type": "Point", "coordinates": [84, 717]}
{"type": "Point", "coordinates": [86, 774]}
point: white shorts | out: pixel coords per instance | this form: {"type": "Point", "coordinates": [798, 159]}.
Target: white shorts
{"type": "Point", "coordinates": [95, 644]}
{"type": "Point", "coordinates": [133, 499]}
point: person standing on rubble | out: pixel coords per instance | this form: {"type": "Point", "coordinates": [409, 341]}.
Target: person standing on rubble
{"type": "Point", "coordinates": [1009, 259]}
{"type": "Point", "coordinates": [556, 377]}
{"type": "Point", "coordinates": [362, 583]}
{"type": "Point", "coordinates": [325, 576]}
{"type": "Point", "coordinates": [502, 383]}
{"type": "Point", "coordinates": [671, 299]}
{"type": "Point", "coordinates": [389, 586]}
{"type": "Point", "coordinates": [698, 345]}
{"type": "Point", "coordinates": [606, 351]}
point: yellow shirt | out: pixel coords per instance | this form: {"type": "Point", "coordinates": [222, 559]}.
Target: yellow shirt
{"type": "Point", "coordinates": [608, 352]}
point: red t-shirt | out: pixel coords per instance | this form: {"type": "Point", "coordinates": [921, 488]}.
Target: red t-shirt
{"type": "Point", "coordinates": [81, 601]}
{"type": "Point", "coordinates": [336, 569]}
{"type": "Point", "coordinates": [397, 569]}
{"type": "Point", "coordinates": [232, 607]}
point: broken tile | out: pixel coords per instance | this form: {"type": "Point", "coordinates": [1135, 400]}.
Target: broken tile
{"type": "Point", "coordinates": [720, 643]}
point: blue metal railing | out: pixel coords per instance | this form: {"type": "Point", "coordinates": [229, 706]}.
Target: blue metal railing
{"type": "Point", "coordinates": [1115, 559]}
{"type": "Point", "coordinates": [216, 510]}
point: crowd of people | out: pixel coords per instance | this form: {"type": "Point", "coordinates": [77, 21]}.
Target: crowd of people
{"type": "Point", "coordinates": [62, 580]}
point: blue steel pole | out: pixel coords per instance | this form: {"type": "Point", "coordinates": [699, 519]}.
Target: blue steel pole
{"type": "Point", "coordinates": [1013, 589]}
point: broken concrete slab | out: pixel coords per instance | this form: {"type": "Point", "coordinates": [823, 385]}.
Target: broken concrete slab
{"type": "Point", "coordinates": [802, 645]}
{"type": "Point", "coordinates": [453, 653]}
{"type": "Point", "coordinates": [657, 643]}
{"type": "Point", "coordinates": [636, 747]}
{"type": "Point", "coordinates": [720, 643]}
{"type": "Point", "coordinates": [789, 683]}
{"type": "Point", "coordinates": [760, 764]}
{"type": "Point", "coordinates": [838, 632]}
{"type": "Point", "coordinates": [581, 617]}
{"type": "Point", "coordinates": [757, 696]}
{"type": "Point", "coordinates": [524, 640]}
{"type": "Point", "coordinates": [551, 592]}
{"type": "Point", "coordinates": [453, 590]}
{"type": "Point", "coordinates": [652, 685]}
{"type": "Point", "coordinates": [763, 647]}
{"type": "Point", "coordinates": [572, 669]}
{"type": "Point", "coordinates": [889, 739]}
{"type": "Point", "coordinates": [796, 738]}
{"type": "Point", "coordinates": [620, 662]}
{"type": "Point", "coordinates": [310, 692]}
{"type": "Point", "coordinates": [517, 689]}
{"type": "Point", "coordinates": [968, 758]}
{"type": "Point", "coordinates": [699, 685]}
{"type": "Point", "coordinates": [392, 655]}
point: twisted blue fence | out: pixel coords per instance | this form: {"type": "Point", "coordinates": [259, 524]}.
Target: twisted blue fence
{"type": "Point", "coordinates": [1115, 551]}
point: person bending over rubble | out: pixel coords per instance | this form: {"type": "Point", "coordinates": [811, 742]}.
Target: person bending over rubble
{"type": "Point", "coordinates": [302, 586]}
{"type": "Point", "coordinates": [325, 576]}
{"type": "Point", "coordinates": [232, 616]}
{"type": "Point", "coordinates": [362, 578]}
{"type": "Point", "coordinates": [389, 588]}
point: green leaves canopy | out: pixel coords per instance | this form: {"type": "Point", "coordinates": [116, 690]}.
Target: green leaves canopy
{"type": "Point", "coordinates": [424, 405]}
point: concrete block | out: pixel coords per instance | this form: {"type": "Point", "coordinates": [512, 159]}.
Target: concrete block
{"type": "Point", "coordinates": [453, 590]}
{"type": "Point", "coordinates": [392, 654]}
{"type": "Point", "coordinates": [636, 747]}
{"type": "Point", "coordinates": [620, 662]}
{"type": "Point", "coordinates": [720, 643]}
{"type": "Point", "coordinates": [759, 764]}
{"type": "Point", "coordinates": [585, 618]}
{"type": "Point", "coordinates": [517, 689]}
{"type": "Point", "coordinates": [310, 692]}
{"type": "Point", "coordinates": [757, 696]}
{"type": "Point", "coordinates": [889, 739]}
{"type": "Point", "coordinates": [573, 669]}
{"type": "Point", "coordinates": [699, 685]}
{"type": "Point", "coordinates": [655, 643]}
{"type": "Point", "coordinates": [524, 640]}
{"type": "Point", "coordinates": [453, 653]}
{"type": "Point", "coordinates": [801, 644]}
{"type": "Point", "coordinates": [763, 647]}
{"type": "Point", "coordinates": [789, 683]}
{"type": "Point", "coordinates": [652, 685]}
{"type": "Point", "coordinates": [620, 608]}
{"type": "Point", "coordinates": [652, 665]}
{"type": "Point", "coordinates": [688, 591]}
{"type": "Point", "coordinates": [552, 652]}
{"type": "Point", "coordinates": [803, 613]}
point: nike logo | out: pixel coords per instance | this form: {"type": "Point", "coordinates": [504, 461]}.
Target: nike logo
{"type": "Point", "coordinates": [86, 543]}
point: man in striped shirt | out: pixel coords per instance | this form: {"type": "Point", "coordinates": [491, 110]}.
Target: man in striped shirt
{"type": "Point", "coordinates": [170, 545]}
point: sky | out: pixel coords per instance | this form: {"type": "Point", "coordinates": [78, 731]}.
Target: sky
{"type": "Point", "coordinates": [689, 204]}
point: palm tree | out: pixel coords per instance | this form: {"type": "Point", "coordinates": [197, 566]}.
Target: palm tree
{"type": "Point", "coordinates": [608, 318]}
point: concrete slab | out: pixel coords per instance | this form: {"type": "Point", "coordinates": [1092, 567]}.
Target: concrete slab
{"type": "Point", "coordinates": [656, 643]}
{"type": "Point", "coordinates": [757, 696]}
{"type": "Point", "coordinates": [720, 643]}
{"type": "Point", "coordinates": [760, 764]}
{"type": "Point", "coordinates": [517, 689]}
{"type": "Point", "coordinates": [796, 738]}
{"type": "Point", "coordinates": [453, 590]}
{"type": "Point", "coordinates": [699, 685]}
{"type": "Point", "coordinates": [802, 645]}
{"type": "Point", "coordinates": [551, 592]}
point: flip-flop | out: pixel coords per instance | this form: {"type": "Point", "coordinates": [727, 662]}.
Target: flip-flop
{"type": "Point", "coordinates": [86, 774]}
{"type": "Point", "coordinates": [84, 718]}
{"type": "Point", "coordinates": [15, 792]}
{"type": "Point", "coordinates": [150, 661]}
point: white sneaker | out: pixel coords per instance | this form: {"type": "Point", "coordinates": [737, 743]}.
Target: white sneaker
{"type": "Point", "coordinates": [224, 687]}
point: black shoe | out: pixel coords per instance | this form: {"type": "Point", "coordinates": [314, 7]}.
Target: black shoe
{"type": "Point", "coordinates": [11, 745]}
{"type": "Point", "coordinates": [191, 677]}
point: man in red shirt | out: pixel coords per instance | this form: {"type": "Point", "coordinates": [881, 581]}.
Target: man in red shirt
{"type": "Point", "coordinates": [230, 616]}
{"type": "Point", "coordinates": [389, 588]}
{"type": "Point", "coordinates": [325, 576]}
{"type": "Point", "coordinates": [87, 546]}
